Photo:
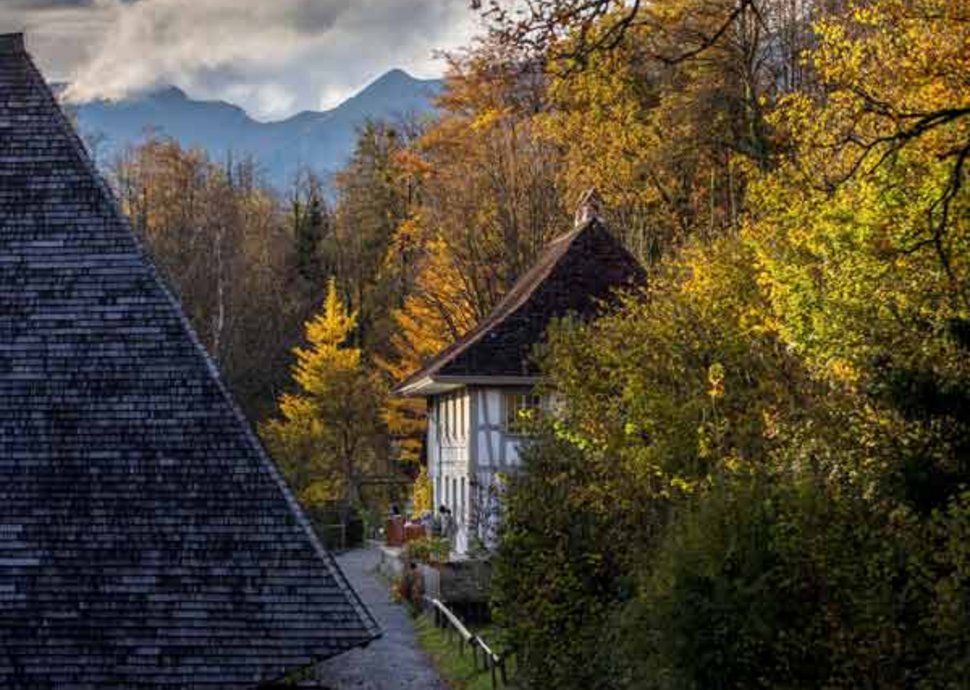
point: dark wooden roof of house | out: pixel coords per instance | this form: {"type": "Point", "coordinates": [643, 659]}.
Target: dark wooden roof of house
{"type": "Point", "coordinates": [574, 274]}
{"type": "Point", "coordinates": [146, 541]}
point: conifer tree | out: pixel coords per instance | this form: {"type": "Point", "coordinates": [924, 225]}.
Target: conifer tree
{"type": "Point", "coordinates": [311, 225]}
{"type": "Point", "coordinates": [329, 433]}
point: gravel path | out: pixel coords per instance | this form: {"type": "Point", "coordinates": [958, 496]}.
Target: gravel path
{"type": "Point", "coordinates": [393, 662]}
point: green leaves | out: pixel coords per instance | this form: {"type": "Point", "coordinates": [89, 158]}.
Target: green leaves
{"type": "Point", "coordinates": [770, 446]}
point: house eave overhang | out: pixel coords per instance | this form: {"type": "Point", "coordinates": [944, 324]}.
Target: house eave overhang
{"type": "Point", "coordinates": [436, 385]}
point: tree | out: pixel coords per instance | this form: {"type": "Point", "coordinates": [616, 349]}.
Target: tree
{"type": "Point", "coordinates": [434, 313]}
{"type": "Point", "coordinates": [763, 459]}
{"type": "Point", "coordinates": [864, 238]}
{"type": "Point", "coordinates": [219, 238]}
{"type": "Point", "coordinates": [329, 433]}
{"type": "Point", "coordinates": [312, 224]}
{"type": "Point", "coordinates": [673, 143]}
{"type": "Point", "coordinates": [375, 194]}
{"type": "Point", "coordinates": [489, 191]}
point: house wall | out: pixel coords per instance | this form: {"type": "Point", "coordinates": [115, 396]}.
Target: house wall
{"type": "Point", "coordinates": [469, 448]}
{"type": "Point", "coordinates": [496, 453]}
{"type": "Point", "coordinates": [449, 458]}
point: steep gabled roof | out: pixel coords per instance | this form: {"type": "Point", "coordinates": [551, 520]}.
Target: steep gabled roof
{"type": "Point", "coordinates": [574, 274]}
{"type": "Point", "coordinates": [146, 541]}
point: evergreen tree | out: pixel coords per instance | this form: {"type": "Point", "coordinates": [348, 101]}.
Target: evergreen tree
{"type": "Point", "coordinates": [311, 225]}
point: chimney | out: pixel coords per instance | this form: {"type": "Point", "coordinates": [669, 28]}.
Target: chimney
{"type": "Point", "coordinates": [11, 44]}
{"type": "Point", "coordinates": [590, 207]}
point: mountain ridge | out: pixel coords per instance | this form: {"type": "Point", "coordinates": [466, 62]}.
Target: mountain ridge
{"type": "Point", "coordinates": [322, 140]}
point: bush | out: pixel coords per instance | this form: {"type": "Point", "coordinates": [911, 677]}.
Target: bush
{"type": "Point", "coordinates": [760, 581]}
{"type": "Point", "coordinates": [786, 586]}
{"type": "Point", "coordinates": [429, 549]}
{"type": "Point", "coordinates": [558, 574]}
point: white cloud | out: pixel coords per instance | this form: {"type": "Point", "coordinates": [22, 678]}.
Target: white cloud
{"type": "Point", "coordinates": [273, 57]}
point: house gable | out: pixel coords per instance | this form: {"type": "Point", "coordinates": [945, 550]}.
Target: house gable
{"type": "Point", "coordinates": [575, 274]}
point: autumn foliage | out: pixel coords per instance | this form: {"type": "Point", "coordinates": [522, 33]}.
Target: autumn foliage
{"type": "Point", "coordinates": [758, 473]}
{"type": "Point", "coordinates": [761, 463]}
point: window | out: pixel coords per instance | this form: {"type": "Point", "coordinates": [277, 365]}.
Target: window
{"type": "Point", "coordinates": [462, 508]}
{"type": "Point", "coordinates": [461, 417]}
{"type": "Point", "coordinates": [521, 407]}
{"type": "Point", "coordinates": [449, 422]}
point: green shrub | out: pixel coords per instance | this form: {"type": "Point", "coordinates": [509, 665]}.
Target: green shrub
{"type": "Point", "coordinates": [788, 586]}
{"type": "Point", "coordinates": [558, 574]}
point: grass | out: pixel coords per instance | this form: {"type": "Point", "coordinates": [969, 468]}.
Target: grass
{"type": "Point", "coordinates": [455, 668]}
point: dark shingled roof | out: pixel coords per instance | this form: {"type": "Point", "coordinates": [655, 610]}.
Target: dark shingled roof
{"type": "Point", "coordinates": [575, 274]}
{"type": "Point", "coordinates": [146, 541]}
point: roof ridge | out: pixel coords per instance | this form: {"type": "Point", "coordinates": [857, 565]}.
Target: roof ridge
{"type": "Point", "coordinates": [108, 197]}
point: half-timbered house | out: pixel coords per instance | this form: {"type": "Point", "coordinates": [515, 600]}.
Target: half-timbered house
{"type": "Point", "coordinates": [480, 388]}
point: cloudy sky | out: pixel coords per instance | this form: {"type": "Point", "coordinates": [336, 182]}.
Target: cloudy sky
{"type": "Point", "coordinates": [272, 57]}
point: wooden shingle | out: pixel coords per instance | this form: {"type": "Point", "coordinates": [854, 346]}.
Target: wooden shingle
{"type": "Point", "coordinates": [146, 541]}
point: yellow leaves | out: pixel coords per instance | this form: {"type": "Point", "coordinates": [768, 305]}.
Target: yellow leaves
{"type": "Point", "coordinates": [332, 327]}
{"type": "Point", "coordinates": [320, 492]}
{"type": "Point", "coordinates": [327, 334]}
{"type": "Point", "coordinates": [845, 231]}
{"type": "Point", "coordinates": [410, 162]}
{"type": "Point", "coordinates": [683, 486]}
{"type": "Point", "coordinates": [434, 313]}
{"type": "Point", "coordinates": [843, 371]}
{"type": "Point", "coordinates": [486, 119]}
{"type": "Point", "coordinates": [329, 429]}
{"type": "Point", "coordinates": [421, 493]}
{"type": "Point", "coordinates": [715, 380]}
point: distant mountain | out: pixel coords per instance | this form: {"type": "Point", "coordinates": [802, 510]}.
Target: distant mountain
{"type": "Point", "coordinates": [321, 140]}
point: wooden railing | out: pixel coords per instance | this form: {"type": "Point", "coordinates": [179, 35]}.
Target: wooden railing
{"type": "Point", "coordinates": [496, 664]}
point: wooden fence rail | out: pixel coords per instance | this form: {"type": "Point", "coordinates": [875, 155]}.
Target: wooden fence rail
{"type": "Point", "coordinates": [496, 664]}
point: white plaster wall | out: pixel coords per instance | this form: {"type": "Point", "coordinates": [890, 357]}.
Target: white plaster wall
{"type": "Point", "coordinates": [449, 461]}
{"type": "Point", "coordinates": [481, 441]}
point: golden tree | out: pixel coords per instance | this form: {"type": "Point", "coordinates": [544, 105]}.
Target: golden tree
{"type": "Point", "coordinates": [329, 433]}
{"type": "Point", "coordinates": [434, 314]}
